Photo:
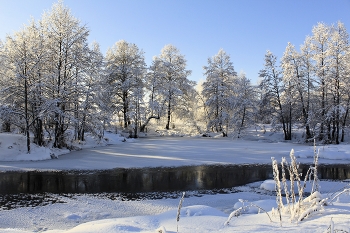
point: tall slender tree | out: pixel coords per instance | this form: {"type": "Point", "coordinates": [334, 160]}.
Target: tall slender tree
{"type": "Point", "coordinates": [293, 76]}
{"type": "Point", "coordinates": [173, 83]}
{"type": "Point", "coordinates": [24, 57]}
{"type": "Point", "coordinates": [245, 105]}
{"type": "Point", "coordinates": [218, 90]}
{"type": "Point", "coordinates": [126, 68]}
{"type": "Point", "coordinates": [308, 70]}
{"type": "Point", "coordinates": [67, 46]}
{"type": "Point", "coordinates": [319, 46]}
{"type": "Point", "coordinates": [273, 91]}
{"type": "Point", "coordinates": [338, 50]}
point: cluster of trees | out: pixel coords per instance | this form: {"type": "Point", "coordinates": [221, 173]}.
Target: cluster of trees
{"type": "Point", "coordinates": [310, 86]}
{"type": "Point", "coordinates": [48, 75]}
{"type": "Point", "coordinates": [230, 99]}
{"type": "Point", "coordinates": [54, 85]}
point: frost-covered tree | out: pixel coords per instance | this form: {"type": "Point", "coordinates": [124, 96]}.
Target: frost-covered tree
{"type": "Point", "coordinates": [23, 55]}
{"type": "Point", "coordinates": [314, 88]}
{"type": "Point", "coordinates": [330, 48]}
{"type": "Point", "coordinates": [338, 51]}
{"type": "Point", "coordinates": [5, 121]}
{"type": "Point", "coordinates": [245, 106]}
{"type": "Point", "coordinates": [273, 90]}
{"type": "Point", "coordinates": [51, 79]}
{"type": "Point", "coordinates": [298, 83]}
{"type": "Point", "coordinates": [308, 71]}
{"type": "Point", "coordinates": [346, 102]}
{"type": "Point", "coordinates": [153, 86]}
{"type": "Point", "coordinates": [66, 47]}
{"type": "Point", "coordinates": [200, 111]}
{"type": "Point", "coordinates": [218, 90]}
{"type": "Point", "coordinates": [88, 115]}
{"type": "Point", "coordinates": [319, 47]}
{"type": "Point", "coordinates": [125, 67]}
{"type": "Point", "coordinates": [171, 81]}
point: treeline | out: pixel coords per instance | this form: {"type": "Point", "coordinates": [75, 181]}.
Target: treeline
{"type": "Point", "coordinates": [53, 83]}
{"type": "Point", "coordinates": [310, 86]}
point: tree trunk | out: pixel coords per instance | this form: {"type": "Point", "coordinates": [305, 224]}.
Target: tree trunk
{"type": "Point", "coordinates": [38, 132]}
{"type": "Point", "coordinates": [6, 126]}
{"type": "Point", "coordinates": [343, 125]}
{"type": "Point", "coordinates": [242, 122]}
{"type": "Point", "coordinates": [142, 128]}
{"type": "Point", "coordinates": [337, 111]}
{"type": "Point", "coordinates": [169, 114]}
{"type": "Point", "coordinates": [290, 122]}
{"type": "Point", "coordinates": [125, 109]}
{"type": "Point", "coordinates": [26, 114]}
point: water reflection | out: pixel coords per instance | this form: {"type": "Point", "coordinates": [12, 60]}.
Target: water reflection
{"type": "Point", "coordinates": [162, 179]}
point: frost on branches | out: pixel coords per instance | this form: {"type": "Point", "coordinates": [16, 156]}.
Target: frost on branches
{"type": "Point", "coordinates": [297, 207]}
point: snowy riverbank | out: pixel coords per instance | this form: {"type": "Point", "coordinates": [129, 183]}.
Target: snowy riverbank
{"type": "Point", "coordinates": [85, 213]}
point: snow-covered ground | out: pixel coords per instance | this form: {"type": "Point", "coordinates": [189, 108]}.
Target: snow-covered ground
{"type": "Point", "coordinates": [200, 213]}
{"type": "Point", "coordinates": [13, 147]}
{"type": "Point", "coordinates": [85, 213]}
{"type": "Point", "coordinates": [174, 151]}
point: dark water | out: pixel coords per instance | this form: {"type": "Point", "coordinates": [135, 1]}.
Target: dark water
{"type": "Point", "coordinates": [142, 180]}
{"type": "Point", "coordinates": [133, 180]}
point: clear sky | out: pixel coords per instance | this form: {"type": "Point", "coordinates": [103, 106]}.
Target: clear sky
{"type": "Point", "coordinates": [245, 29]}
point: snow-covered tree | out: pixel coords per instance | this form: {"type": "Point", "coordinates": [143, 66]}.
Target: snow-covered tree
{"type": "Point", "coordinates": [338, 51]}
{"type": "Point", "coordinates": [66, 47]}
{"type": "Point", "coordinates": [308, 71]}
{"type": "Point", "coordinates": [125, 67]}
{"type": "Point", "coordinates": [245, 106]}
{"type": "Point", "coordinates": [319, 47]}
{"type": "Point", "coordinates": [153, 81]}
{"type": "Point", "coordinates": [88, 115]}
{"type": "Point", "coordinates": [6, 125]}
{"type": "Point", "coordinates": [297, 83]}
{"type": "Point", "coordinates": [23, 55]}
{"type": "Point", "coordinates": [218, 90]}
{"type": "Point", "coordinates": [273, 90]}
{"type": "Point", "coordinates": [346, 98]}
{"type": "Point", "coordinates": [330, 48]}
{"type": "Point", "coordinates": [171, 81]}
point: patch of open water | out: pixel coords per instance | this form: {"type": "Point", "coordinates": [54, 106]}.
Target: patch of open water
{"type": "Point", "coordinates": [38, 188]}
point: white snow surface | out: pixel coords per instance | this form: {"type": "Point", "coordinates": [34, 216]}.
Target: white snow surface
{"type": "Point", "coordinates": [159, 151]}
{"type": "Point", "coordinates": [203, 213]}
{"type": "Point", "coordinates": [88, 213]}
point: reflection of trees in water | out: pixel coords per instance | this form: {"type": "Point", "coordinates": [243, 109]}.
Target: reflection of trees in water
{"type": "Point", "coordinates": [159, 179]}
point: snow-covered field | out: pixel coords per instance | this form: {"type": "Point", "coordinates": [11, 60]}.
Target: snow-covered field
{"type": "Point", "coordinates": [199, 213]}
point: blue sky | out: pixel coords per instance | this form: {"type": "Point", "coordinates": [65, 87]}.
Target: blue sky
{"type": "Point", "coordinates": [245, 29]}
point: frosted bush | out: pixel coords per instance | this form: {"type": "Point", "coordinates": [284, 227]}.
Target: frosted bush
{"type": "Point", "coordinates": [297, 208]}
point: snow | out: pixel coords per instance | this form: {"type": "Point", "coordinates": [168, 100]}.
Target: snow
{"type": "Point", "coordinates": [13, 147]}
{"type": "Point", "coordinates": [199, 213]}
{"type": "Point", "coordinates": [206, 213]}
{"type": "Point", "coordinates": [268, 185]}
{"type": "Point", "coordinates": [331, 152]}
{"type": "Point", "coordinates": [172, 151]}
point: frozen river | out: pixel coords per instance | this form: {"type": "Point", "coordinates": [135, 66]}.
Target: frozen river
{"type": "Point", "coordinates": [168, 152]}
